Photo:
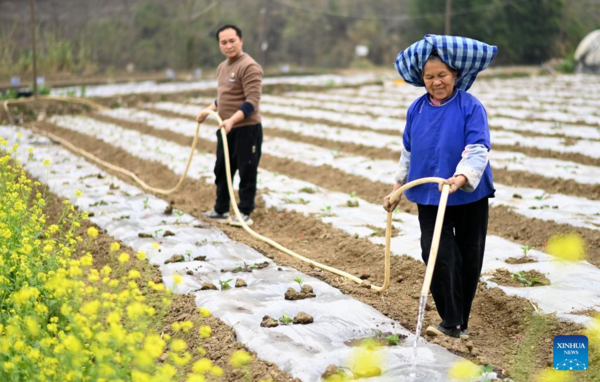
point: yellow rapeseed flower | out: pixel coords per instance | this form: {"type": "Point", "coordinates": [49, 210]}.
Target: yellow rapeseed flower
{"type": "Point", "coordinates": [123, 257]}
{"type": "Point", "coordinates": [365, 361]}
{"type": "Point", "coordinates": [216, 371]}
{"type": "Point", "coordinates": [114, 247]}
{"type": "Point", "coordinates": [113, 318]}
{"type": "Point", "coordinates": [141, 255]}
{"type": "Point", "coordinates": [178, 345]}
{"type": "Point", "coordinates": [186, 326]}
{"type": "Point", "coordinates": [240, 358]}
{"type": "Point", "coordinates": [154, 345]}
{"type": "Point", "coordinates": [177, 279]}
{"type": "Point", "coordinates": [134, 274]}
{"type": "Point", "coordinates": [32, 326]}
{"type": "Point", "coordinates": [551, 375]}
{"type": "Point", "coordinates": [205, 331]}
{"type": "Point", "coordinates": [463, 370]}
{"type": "Point", "coordinates": [202, 366]}
{"type": "Point", "coordinates": [78, 193]}
{"type": "Point", "coordinates": [195, 378]}
{"type": "Point", "coordinates": [155, 245]}
{"type": "Point", "coordinates": [205, 312]}
{"type": "Point", "coordinates": [176, 326]}
{"type": "Point", "coordinates": [106, 270]}
{"type": "Point", "coordinates": [181, 360]}
{"type": "Point", "coordinates": [46, 162]}
{"type": "Point", "coordinates": [90, 308]}
{"type": "Point", "coordinates": [569, 247]}
{"type": "Point", "coordinates": [92, 232]}
{"type": "Point", "coordinates": [87, 260]}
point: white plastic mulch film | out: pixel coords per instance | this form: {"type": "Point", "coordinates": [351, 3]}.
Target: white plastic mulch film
{"type": "Point", "coordinates": [302, 350]}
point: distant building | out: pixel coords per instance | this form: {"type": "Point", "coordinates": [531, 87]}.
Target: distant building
{"type": "Point", "coordinates": [587, 54]}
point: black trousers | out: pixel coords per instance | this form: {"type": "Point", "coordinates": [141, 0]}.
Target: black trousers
{"type": "Point", "coordinates": [459, 259]}
{"type": "Point", "coordinates": [244, 155]}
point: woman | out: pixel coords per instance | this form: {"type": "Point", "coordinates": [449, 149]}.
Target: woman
{"type": "Point", "coordinates": [447, 136]}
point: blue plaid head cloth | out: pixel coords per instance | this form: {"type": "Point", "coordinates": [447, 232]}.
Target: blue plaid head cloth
{"type": "Point", "coordinates": [466, 55]}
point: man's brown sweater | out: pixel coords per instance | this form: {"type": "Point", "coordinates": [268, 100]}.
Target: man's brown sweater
{"type": "Point", "coordinates": [239, 84]}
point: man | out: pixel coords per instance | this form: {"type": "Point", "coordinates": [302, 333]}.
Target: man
{"type": "Point", "coordinates": [239, 89]}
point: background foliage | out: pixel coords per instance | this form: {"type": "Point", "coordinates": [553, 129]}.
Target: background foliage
{"type": "Point", "coordinates": [106, 35]}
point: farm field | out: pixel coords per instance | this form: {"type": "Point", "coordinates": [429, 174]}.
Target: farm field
{"type": "Point", "coordinates": [329, 155]}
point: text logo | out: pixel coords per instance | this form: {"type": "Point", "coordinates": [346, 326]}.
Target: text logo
{"type": "Point", "coordinates": [570, 352]}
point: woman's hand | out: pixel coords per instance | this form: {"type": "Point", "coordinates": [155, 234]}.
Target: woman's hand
{"type": "Point", "coordinates": [227, 125]}
{"type": "Point", "coordinates": [455, 183]}
{"type": "Point", "coordinates": [389, 207]}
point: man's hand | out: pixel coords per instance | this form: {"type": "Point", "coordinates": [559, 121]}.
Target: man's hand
{"type": "Point", "coordinates": [227, 125]}
{"type": "Point", "coordinates": [386, 201]}
{"type": "Point", "coordinates": [202, 115]}
{"type": "Point", "coordinates": [455, 183]}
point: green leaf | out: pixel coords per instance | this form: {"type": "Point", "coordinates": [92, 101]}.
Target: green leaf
{"type": "Point", "coordinates": [393, 339]}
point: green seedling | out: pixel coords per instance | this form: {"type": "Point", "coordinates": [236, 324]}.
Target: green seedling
{"type": "Point", "coordinates": [295, 201]}
{"type": "Point", "coordinates": [189, 254]}
{"type": "Point", "coordinates": [285, 319]}
{"type": "Point", "coordinates": [146, 206]}
{"type": "Point", "coordinates": [393, 340]}
{"type": "Point", "coordinates": [526, 249]}
{"type": "Point", "coordinates": [157, 232]}
{"type": "Point", "coordinates": [353, 201]}
{"type": "Point", "coordinates": [122, 217]}
{"type": "Point", "coordinates": [299, 280]}
{"type": "Point", "coordinates": [178, 213]}
{"type": "Point", "coordinates": [245, 267]}
{"type": "Point", "coordinates": [327, 211]}
{"type": "Point", "coordinates": [522, 278]}
{"type": "Point", "coordinates": [308, 190]}
{"type": "Point", "coordinates": [485, 370]}
{"type": "Point", "coordinates": [378, 333]}
{"type": "Point", "coordinates": [540, 197]}
{"type": "Point", "coordinates": [225, 284]}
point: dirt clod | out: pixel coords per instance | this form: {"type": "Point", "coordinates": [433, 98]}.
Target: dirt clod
{"type": "Point", "coordinates": [175, 259]}
{"type": "Point", "coordinates": [240, 283]}
{"type": "Point", "coordinates": [168, 233]}
{"type": "Point", "coordinates": [269, 322]}
{"type": "Point", "coordinates": [209, 286]}
{"type": "Point", "coordinates": [330, 371]}
{"type": "Point", "coordinates": [303, 318]}
{"type": "Point", "coordinates": [168, 210]}
{"type": "Point", "coordinates": [292, 294]}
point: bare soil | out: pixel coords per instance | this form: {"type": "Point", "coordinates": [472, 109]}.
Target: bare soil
{"type": "Point", "coordinates": [507, 278]}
